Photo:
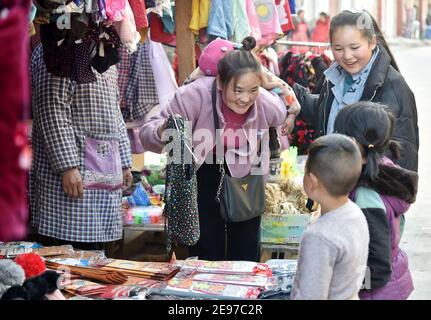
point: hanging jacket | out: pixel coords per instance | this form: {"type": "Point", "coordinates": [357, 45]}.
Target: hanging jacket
{"type": "Point", "coordinates": [383, 208]}
{"type": "Point", "coordinates": [384, 85]}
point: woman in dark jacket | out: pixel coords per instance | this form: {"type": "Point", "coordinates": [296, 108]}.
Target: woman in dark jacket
{"type": "Point", "coordinates": [364, 70]}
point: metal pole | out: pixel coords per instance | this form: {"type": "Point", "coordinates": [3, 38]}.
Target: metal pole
{"type": "Point", "coordinates": [305, 44]}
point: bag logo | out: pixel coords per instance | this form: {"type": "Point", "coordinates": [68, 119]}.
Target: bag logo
{"type": "Point", "coordinates": [244, 186]}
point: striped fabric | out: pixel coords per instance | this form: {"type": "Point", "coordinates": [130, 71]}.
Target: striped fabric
{"type": "Point", "coordinates": [141, 92]}
{"type": "Point", "coordinates": [64, 114]}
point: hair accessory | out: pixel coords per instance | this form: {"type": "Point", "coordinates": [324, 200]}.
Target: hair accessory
{"type": "Point", "coordinates": [371, 146]}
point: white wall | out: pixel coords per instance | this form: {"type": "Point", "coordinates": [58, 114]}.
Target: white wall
{"type": "Point", "coordinates": [389, 19]}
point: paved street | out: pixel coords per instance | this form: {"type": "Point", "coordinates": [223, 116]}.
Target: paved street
{"type": "Point", "coordinates": [415, 65]}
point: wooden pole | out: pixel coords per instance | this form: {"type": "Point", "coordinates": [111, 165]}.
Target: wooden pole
{"type": "Point", "coordinates": [185, 39]}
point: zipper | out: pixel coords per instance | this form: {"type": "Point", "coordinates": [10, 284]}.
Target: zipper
{"type": "Point", "coordinates": [324, 108]}
{"type": "Point", "coordinates": [375, 92]}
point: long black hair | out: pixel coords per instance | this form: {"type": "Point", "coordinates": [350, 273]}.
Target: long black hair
{"type": "Point", "coordinates": [366, 23]}
{"type": "Point", "coordinates": [238, 62]}
{"type": "Point", "coordinates": [372, 126]}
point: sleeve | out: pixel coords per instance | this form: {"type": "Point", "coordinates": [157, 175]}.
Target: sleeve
{"type": "Point", "coordinates": [277, 111]}
{"type": "Point", "coordinates": [307, 101]}
{"type": "Point", "coordinates": [187, 102]}
{"type": "Point", "coordinates": [125, 151]}
{"type": "Point", "coordinates": [379, 252]}
{"type": "Point", "coordinates": [316, 263]}
{"type": "Point", "coordinates": [319, 66]}
{"type": "Point", "coordinates": [406, 129]}
{"type": "Point", "coordinates": [52, 99]}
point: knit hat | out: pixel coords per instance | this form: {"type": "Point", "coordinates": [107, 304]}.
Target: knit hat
{"type": "Point", "coordinates": [32, 264]}
{"type": "Point", "coordinates": [11, 274]}
{"type": "Point", "coordinates": [212, 54]}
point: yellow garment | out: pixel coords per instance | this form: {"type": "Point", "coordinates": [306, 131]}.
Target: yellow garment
{"type": "Point", "coordinates": [144, 33]}
{"type": "Point", "coordinates": [31, 29]}
{"type": "Point", "coordinates": [200, 13]}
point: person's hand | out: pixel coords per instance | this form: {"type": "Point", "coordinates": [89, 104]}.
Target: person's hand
{"type": "Point", "coordinates": [162, 128]}
{"type": "Point", "coordinates": [127, 179]}
{"type": "Point", "coordinates": [290, 99]}
{"type": "Point", "coordinates": [72, 183]}
{"type": "Point", "coordinates": [288, 125]}
{"type": "Point", "coordinates": [196, 74]}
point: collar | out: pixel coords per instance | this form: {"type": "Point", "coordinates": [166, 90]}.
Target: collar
{"type": "Point", "coordinates": [336, 74]}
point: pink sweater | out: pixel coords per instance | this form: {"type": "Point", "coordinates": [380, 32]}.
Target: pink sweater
{"type": "Point", "coordinates": [193, 102]}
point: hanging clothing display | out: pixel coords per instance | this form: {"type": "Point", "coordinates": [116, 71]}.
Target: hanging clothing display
{"type": "Point", "coordinates": [200, 13]}
{"type": "Point", "coordinates": [126, 29]}
{"type": "Point", "coordinates": [220, 19]}
{"type": "Point", "coordinates": [80, 43]}
{"type": "Point", "coordinates": [164, 76]}
{"type": "Point", "coordinates": [157, 31]}
{"type": "Point", "coordinates": [140, 93]}
{"type": "Point", "coordinates": [296, 69]}
{"type": "Point", "coordinates": [292, 7]}
{"type": "Point", "coordinates": [241, 27]}
{"type": "Point", "coordinates": [253, 19]}
{"type": "Point", "coordinates": [268, 21]}
{"type": "Point", "coordinates": [285, 15]}
{"type": "Point", "coordinates": [139, 13]}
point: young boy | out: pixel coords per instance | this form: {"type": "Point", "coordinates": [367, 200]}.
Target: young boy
{"type": "Point", "coordinates": [334, 249]}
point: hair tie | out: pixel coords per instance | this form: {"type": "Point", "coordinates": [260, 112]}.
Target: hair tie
{"type": "Point", "coordinates": [371, 146]}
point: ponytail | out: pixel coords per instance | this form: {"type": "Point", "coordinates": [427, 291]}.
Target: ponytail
{"type": "Point", "coordinates": [371, 168]}
{"type": "Point", "coordinates": [382, 41]}
{"type": "Point", "coordinates": [238, 62]}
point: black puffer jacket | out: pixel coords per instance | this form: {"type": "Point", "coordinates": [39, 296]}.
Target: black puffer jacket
{"type": "Point", "coordinates": [384, 85]}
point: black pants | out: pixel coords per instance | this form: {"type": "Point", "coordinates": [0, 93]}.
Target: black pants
{"type": "Point", "coordinates": [220, 240]}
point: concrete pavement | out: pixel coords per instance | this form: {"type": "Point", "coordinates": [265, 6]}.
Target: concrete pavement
{"type": "Point", "coordinates": [415, 64]}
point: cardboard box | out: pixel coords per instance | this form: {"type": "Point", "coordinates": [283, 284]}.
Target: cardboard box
{"type": "Point", "coordinates": [283, 229]}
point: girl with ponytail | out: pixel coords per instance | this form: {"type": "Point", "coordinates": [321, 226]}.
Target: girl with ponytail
{"type": "Point", "coordinates": [384, 193]}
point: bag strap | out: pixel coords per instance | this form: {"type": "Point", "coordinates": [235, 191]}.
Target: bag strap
{"type": "Point", "coordinates": [217, 126]}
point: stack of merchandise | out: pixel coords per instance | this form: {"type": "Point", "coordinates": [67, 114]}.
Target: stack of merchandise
{"type": "Point", "coordinates": [150, 270]}
{"type": "Point", "coordinates": [288, 209]}
{"type": "Point", "coordinates": [220, 280]}
{"type": "Point", "coordinates": [84, 288]}
{"type": "Point", "coordinates": [12, 249]}
{"type": "Point", "coordinates": [284, 270]}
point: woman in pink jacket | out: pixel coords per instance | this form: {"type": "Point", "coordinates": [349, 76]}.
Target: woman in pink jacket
{"type": "Point", "coordinates": [245, 110]}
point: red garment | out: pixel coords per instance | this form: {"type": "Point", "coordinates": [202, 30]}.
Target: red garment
{"type": "Point", "coordinates": [157, 33]}
{"type": "Point", "coordinates": [140, 13]}
{"type": "Point", "coordinates": [234, 121]}
{"type": "Point", "coordinates": [320, 34]}
{"type": "Point", "coordinates": [14, 103]}
{"type": "Point", "coordinates": [285, 15]}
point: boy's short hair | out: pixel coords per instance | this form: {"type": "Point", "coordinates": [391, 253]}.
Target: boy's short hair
{"type": "Point", "coordinates": [336, 161]}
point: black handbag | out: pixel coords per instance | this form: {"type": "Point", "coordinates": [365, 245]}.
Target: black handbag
{"type": "Point", "coordinates": [240, 199]}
